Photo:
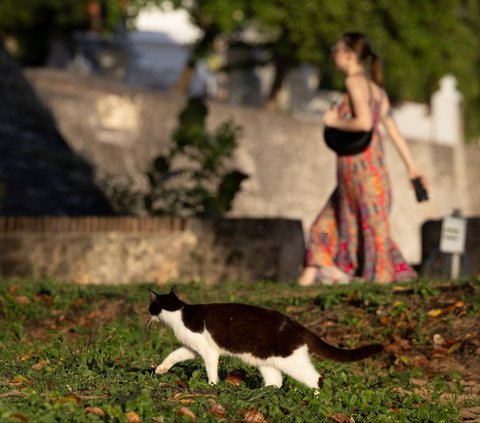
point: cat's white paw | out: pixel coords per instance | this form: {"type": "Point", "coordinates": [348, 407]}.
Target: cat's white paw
{"type": "Point", "coordinates": [161, 369]}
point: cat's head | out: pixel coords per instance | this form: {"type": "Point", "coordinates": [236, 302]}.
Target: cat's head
{"type": "Point", "coordinates": [168, 302]}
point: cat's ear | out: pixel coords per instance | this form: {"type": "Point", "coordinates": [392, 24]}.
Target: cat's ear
{"type": "Point", "coordinates": [174, 291]}
{"type": "Point", "coordinates": [153, 295]}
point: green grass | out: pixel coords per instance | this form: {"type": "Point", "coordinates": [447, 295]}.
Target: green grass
{"type": "Point", "coordinates": [67, 348]}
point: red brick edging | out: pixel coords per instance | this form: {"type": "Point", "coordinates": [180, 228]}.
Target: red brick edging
{"type": "Point", "coordinates": [15, 224]}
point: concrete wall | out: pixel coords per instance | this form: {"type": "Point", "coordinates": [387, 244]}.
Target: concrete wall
{"type": "Point", "coordinates": [292, 173]}
{"type": "Point", "coordinates": [123, 250]}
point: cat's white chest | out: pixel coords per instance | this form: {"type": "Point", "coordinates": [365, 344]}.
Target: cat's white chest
{"type": "Point", "coordinates": [174, 320]}
{"type": "Point", "coordinates": [197, 341]}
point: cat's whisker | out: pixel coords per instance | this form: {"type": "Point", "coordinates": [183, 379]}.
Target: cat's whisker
{"type": "Point", "coordinates": [150, 321]}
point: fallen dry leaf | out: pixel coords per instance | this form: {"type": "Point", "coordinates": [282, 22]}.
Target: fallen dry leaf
{"type": "Point", "coordinates": [185, 411]}
{"type": "Point", "coordinates": [94, 410]}
{"type": "Point", "coordinates": [435, 312]}
{"type": "Point", "coordinates": [40, 365]}
{"type": "Point", "coordinates": [418, 382]}
{"type": "Point", "coordinates": [451, 342]}
{"type": "Point", "coordinates": [216, 409]}
{"type": "Point", "coordinates": [14, 393]}
{"type": "Point", "coordinates": [441, 311]}
{"type": "Point", "coordinates": [12, 289]}
{"type": "Point", "coordinates": [18, 381]}
{"type": "Point", "coordinates": [26, 356]}
{"type": "Point", "coordinates": [22, 299]}
{"type": "Point", "coordinates": [90, 397]}
{"type": "Point", "coordinates": [443, 347]}
{"type": "Point", "coordinates": [181, 398]}
{"type": "Point", "coordinates": [418, 360]}
{"type": "Point", "coordinates": [20, 417]}
{"type": "Point", "coordinates": [342, 418]}
{"type": "Point", "coordinates": [253, 416]}
{"type": "Point", "coordinates": [392, 348]}
{"type": "Point", "coordinates": [385, 321]}
{"type": "Point", "coordinates": [45, 298]}
{"type": "Point", "coordinates": [454, 347]}
{"type": "Point", "coordinates": [70, 397]}
{"type": "Point", "coordinates": [78, 302]}
{"type": "Point", "coordinates": [470, 414]}
{"type": "Point", "coordinates": [295, 309]}
{"type": "Point", "coordinates": [459, 304]}
{"type": "Point", "coordinates": [188, 397]}
{"type": "Point", "coordinates": [404, 344]}
{"type": "Point", "coordinates": [133, 417]}
{"type": "Point", "coordinates": [182, 384]}
{"type": "Point", "coordinates": [397, 345]}
{"type": "Point", "coordinates": [399, 288]}
{"type": "Point", "coordinates": [236, 377]}
{"type": "Point", "coordinates": [439, 352]}
{"type": "Point", "coordinates": [405, 359]}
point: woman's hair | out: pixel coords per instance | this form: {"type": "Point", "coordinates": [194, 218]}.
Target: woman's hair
{"type": "Point", "coordinates": [360, 44]}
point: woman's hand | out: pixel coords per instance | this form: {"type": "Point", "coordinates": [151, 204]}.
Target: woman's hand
{"type": "Point", "coordinates": [330, 117]}
{"type": "Point", "coordinates": [414, 173]}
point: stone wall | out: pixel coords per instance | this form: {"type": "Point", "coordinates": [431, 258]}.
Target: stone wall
{"type": "Point", "coordinates": [119, 130]}
{"type": "Point", "coordinates": [105, 250]}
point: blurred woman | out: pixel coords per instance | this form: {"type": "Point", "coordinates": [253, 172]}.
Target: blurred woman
{"type": "Point", "coordinates": [350, 238]}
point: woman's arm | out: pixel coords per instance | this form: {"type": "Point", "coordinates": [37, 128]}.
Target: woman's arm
{"type": "Point", "coordinates": [386, 117]}
{"type": "Point", "coordinates": [359, 92]}
{"type": "Point", "coordinates": [401, 145]}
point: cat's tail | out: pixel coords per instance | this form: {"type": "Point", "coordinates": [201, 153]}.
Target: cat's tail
{"type": "Point", "coordinates": [321, 348]}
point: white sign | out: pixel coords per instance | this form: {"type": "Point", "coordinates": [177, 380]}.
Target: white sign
{"type": "Point", "coordinates": [454, 231]}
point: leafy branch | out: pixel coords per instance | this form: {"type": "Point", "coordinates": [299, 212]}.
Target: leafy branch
{"type": "Point", "coordinates": [192, 177]}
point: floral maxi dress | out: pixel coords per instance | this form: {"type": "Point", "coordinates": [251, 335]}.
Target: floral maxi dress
{"type": "Point", "coordinates": [352, 231]}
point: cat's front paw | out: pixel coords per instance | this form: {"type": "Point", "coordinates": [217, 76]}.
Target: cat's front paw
{"type": "Point", "coordinates": [161, 369]}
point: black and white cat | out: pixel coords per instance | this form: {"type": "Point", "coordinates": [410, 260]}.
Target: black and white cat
{"type": "Point", "coordinates": [263, 338]}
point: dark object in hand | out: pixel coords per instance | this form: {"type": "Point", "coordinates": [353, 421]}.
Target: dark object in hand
{"type": "Point", "coordinates": [420, 190]}
{"type": "Point", "coordinates": [347, 143]}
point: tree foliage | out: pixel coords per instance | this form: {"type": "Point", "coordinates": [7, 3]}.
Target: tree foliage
{"type": "Point", "coordinates": [192, 177]}
{"type": "Point", "coordinates": [419, 40]}
{"type": "Point", "coordinates": [34, 23]}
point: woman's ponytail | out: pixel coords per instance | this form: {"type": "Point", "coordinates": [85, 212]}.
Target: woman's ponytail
{"type": "Point", "coordinates": [376, 69]}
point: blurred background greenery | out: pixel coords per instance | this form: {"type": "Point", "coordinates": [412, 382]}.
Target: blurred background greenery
{"type": "Point", "coordinates": [419, 40]}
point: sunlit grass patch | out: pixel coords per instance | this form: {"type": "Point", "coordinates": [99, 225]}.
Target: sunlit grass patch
{"type": "Point", "coordinates": [82, 353]}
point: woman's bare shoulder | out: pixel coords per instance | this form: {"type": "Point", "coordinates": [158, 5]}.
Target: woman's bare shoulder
{"type": "Point", "coordinates": [357, 86]}
{"type": "Point", "coordinates": [356, 80]}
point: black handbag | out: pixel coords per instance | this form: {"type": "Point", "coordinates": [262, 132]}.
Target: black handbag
{"type": "Point", "coordinates": [347, 143]}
